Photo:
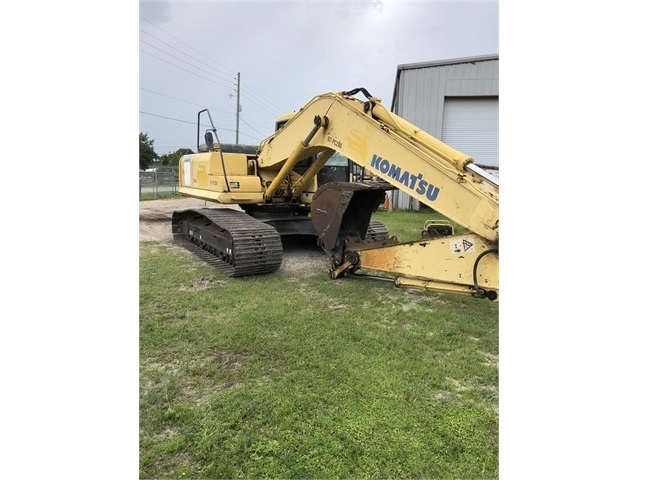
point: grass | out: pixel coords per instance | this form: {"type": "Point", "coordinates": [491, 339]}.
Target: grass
{"type": "Point", "coordinates": [407, 225]}
{"type": "Point", "coordinates": [303, 377]}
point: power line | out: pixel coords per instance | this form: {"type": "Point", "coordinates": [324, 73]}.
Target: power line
{"type": "Point", "coordinates": [178, 66]}
{"type": "Point", "coordinates": [251, 126]}
{"type": "Point", "coordinates": [194, 123]}
{"type": "Point", "coordinates": [185, 44]}
{"type": "Point", "coordinates": [181, 121]}
{"type": "Point", "coordinates": [177, 58]}
{"type": "Point", "coordinates": [167, 118]}
{"type": "Point", "coordinates": [259, 104]}
{"type": "Point", "coordinates": [241, 117]}
{"type": "Point", "coordinates": [272, 107]}
{"type": "Point", "coordinates": [185, 101]}
{"type": "Point", "coordinates": [254, 97]}
{"type": "Point", "coordinates": [251, 136]}
{"type": "Point", "coordinates": [198, 105]}
{"type": "Point", "coordinates": [184, 53]}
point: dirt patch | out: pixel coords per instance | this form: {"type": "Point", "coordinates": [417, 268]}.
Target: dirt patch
{"type": "Point", "coordinates": [155, 217]}
{"type": "Point", "coordinates": [301, 256]}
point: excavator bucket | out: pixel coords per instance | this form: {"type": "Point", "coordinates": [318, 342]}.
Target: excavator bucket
{"type": "Point", "coordinates": [341, 213]}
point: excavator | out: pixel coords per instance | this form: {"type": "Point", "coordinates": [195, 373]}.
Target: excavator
{"type": "Point", "coordinates": [271, 190]}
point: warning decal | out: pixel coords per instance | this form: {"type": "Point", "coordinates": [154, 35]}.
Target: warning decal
{"type": "Point", "coordinates": [462, 245]}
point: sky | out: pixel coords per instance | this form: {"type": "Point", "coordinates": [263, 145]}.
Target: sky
{"type": "Point", "coordinates": [285, 53]}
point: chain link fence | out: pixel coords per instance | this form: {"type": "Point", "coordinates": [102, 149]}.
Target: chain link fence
{"type": "Point", "coordinates": [158, 182]}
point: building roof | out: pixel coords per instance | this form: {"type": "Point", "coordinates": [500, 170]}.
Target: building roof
{"type": "Point", "coordinates": [437, 63]}
{"type": "Point", "coordinates": [453, 61]}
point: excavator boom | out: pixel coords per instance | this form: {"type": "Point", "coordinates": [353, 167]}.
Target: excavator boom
{"type": "Point", "coordinates": [401, 154]}
{"type": "Point", "coordinates": [398, 154]}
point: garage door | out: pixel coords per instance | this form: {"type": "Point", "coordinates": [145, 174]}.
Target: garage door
{"type": "Point", "coordinates": [471, 125]}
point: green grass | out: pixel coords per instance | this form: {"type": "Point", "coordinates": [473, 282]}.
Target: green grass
{"type": "Point", "coordinates": [285, 377]}
{"type": "Point", "coordinates": [406, 225]}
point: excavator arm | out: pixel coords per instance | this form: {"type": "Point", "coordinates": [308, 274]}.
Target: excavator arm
{"type": "Point", "coordinates": [384, 143]}
{"type": "Point", "coordinates": [405, 158]}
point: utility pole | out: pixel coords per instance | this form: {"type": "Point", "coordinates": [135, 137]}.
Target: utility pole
{"type": "Point", "coordinates": [238, 108]}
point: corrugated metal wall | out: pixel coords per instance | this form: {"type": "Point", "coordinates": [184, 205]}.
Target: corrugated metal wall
{"type": "Point", "coordinates": [421, 88]}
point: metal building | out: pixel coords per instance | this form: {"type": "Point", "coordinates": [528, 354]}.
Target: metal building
{"type": "Point", "coordinates": [456, 101]}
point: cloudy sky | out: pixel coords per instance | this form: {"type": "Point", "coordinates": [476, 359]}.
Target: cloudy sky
{"type": "Point", "coordinates": [286, 52]}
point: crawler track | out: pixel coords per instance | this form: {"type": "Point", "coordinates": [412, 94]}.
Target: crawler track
{"type": "Point", "coordinates": [235, 243]}
{"type": "Point", "coordinates": [376, 231]}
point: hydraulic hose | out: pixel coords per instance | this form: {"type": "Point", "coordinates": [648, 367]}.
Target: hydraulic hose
{"type": "Point", "coordinates": [477, 290]}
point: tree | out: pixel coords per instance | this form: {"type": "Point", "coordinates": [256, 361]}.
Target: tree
{"type": "Point", "coordinates": [174, 158]}
{"type": "Point", "coordinates": [147, 153]}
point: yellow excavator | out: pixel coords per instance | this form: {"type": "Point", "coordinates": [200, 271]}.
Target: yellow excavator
{"type": "Point", "coordinates": [275, 186]}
